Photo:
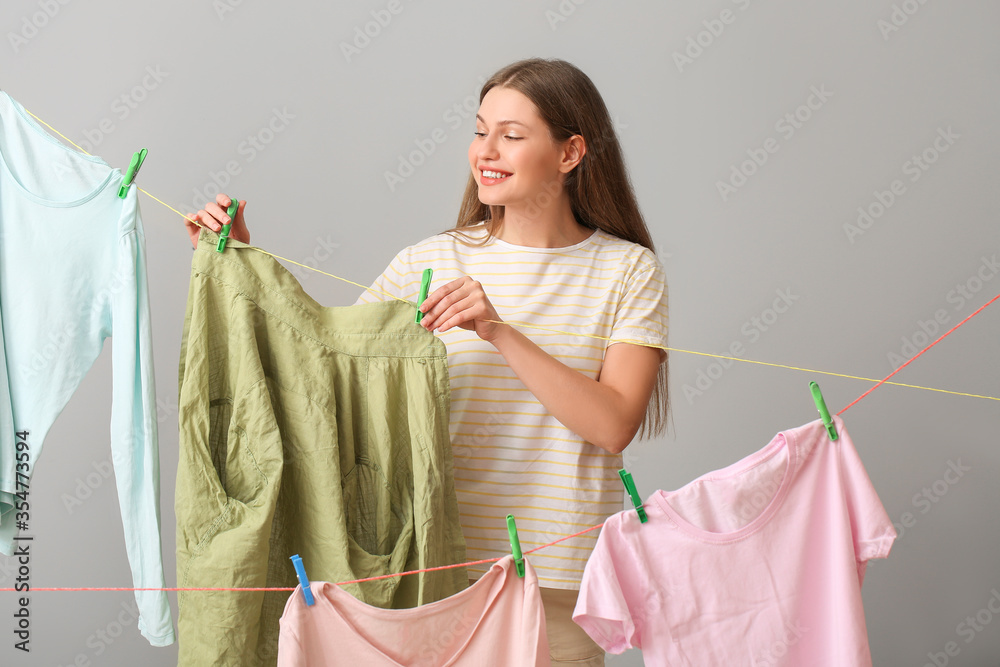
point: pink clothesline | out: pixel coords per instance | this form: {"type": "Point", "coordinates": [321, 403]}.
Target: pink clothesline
{"type": "Point", "coordinates": [493, 560]}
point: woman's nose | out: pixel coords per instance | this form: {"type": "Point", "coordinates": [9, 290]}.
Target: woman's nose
{"type": "Point", "coordinates": [487, 147]}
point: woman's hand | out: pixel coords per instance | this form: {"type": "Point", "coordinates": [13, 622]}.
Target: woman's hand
{"type": "Point", "coordinates": [214, 216]}
{"type": "Point", "coordinates": [461, 303]}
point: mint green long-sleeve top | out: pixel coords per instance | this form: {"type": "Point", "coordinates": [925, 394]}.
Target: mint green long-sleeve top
{"type": "Point", "coordinates": [73, 273]}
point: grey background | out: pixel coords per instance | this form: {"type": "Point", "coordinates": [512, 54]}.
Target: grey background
{"type": "Point", "coordinates": [317, 193]}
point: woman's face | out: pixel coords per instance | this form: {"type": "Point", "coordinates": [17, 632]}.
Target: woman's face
{"type": "Point", "coordinates": [512, 144]}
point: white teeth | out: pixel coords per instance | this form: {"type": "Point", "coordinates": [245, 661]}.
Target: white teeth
{"type": "Point", "coordinates": [494, 174]}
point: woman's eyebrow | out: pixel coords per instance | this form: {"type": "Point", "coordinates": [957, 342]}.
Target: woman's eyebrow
{"type": "Point", "coordinates": [505, 122]}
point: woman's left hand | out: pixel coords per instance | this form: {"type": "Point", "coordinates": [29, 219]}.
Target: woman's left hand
{"type": "Point", "coordinates": [462, 303]}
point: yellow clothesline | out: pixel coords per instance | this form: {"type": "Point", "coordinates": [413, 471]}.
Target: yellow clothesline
{"type": "Point", "coordinates": [530, 326]}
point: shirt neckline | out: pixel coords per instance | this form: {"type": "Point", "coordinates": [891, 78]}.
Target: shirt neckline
{"type": "Point", "coordinates": [782, 441]}
{"type": "Point", "coordinates": [529, 248]}
{"type": "Point", "coordinates": [324, 591]}
{"type": "Point", "coordinates": [35, 127]}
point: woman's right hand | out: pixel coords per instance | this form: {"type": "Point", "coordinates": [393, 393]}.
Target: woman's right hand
{"type": "Point", "coordinates": [214, 216]}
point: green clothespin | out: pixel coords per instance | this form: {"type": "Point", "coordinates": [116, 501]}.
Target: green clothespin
{"type": "Point", "coordinates": [425, 287]}
{"type": "Point", "coordinates": [133, 169]}
{"type": "Point", "coordinates": [515, 545]}
{"type": "Point", "coordinates": [234, 204]}
{"type": "Point", "coordinates": [636, 500]}
{"type": "Point", "coordinates": [823, 412]}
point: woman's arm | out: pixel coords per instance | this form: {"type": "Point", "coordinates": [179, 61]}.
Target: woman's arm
{"type": "Point", "coordinates": [606, 412]}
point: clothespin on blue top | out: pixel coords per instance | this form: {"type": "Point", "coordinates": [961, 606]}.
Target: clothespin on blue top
{"type": "Point", "coordinates": [824, 414]}
{"type": "Point", "coordinates": [636, 500]}
{"type": "Point", "coordinates": [133, 169]}
{"type": "Point", "coordinates": [234, 205]}
{"type": "Point", "coordinates": [425, 287]}
{"type": "Point", "coordinates": [300, 571]}
{"type": "Point", "coordinates": [515, 545]}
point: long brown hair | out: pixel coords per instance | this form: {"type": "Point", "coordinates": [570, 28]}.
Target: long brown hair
{"type": "Point", "coordinates": [599, 188]}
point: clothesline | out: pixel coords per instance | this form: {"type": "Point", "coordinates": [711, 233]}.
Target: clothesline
{"type": "Point", "coordinates": [567, 537]}
{"type": "Point", "coordinates": [644, 343]}
{"type": "Point", "coordinates": [526, 552]}
{"type": "Point", "coordinates": [604, 338]}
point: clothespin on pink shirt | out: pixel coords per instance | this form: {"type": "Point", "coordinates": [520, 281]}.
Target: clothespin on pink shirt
{"type": "Point", "coordinates": [515, 545]}
{"type": "Point", "coordinates": [300, 572]}
{"type": "Point", "coordinates": [633, 494]}
{"type": "Point", "coordinates": [824, 414]}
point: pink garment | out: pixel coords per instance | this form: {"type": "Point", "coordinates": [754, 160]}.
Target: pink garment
{"type": "Point", "coordinates": [760, 563]}
{"type": "Point", "coordinates": [497, 621]}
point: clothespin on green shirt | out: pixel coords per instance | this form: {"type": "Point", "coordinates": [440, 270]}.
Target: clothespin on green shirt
{"type": "Point", "coordinates": [300, 572]}
{"type": "Point", "coordinates": [234, 205]}
{"type": "Point", "coordinates": [515, 545]}
{"type": "Point", "coordinates": [633, 494]}
{"type": "Point", "coordinates": [133, 169]}
{"type": "Point", "coordinates": [824, 414]}
{"type": "Point", "coordinates": [425, 287]}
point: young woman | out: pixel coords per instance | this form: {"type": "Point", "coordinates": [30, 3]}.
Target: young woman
{"type": "Point", "coordinates": [550, 265]}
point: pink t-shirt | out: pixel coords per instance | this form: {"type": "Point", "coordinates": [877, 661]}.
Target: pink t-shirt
{"type": "Point", "coordinates": [498, 620]}
{"type": "Point", "coordinates": [760, 563]}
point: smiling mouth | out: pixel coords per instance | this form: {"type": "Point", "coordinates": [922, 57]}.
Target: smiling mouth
{"type": "Point", "coordinates": [489, 176]}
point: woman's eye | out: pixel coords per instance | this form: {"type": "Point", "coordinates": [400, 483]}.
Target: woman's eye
{"type": "Point", "coordinates": [483, 134]}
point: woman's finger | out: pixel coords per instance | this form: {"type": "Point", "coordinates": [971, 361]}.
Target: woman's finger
{"type": "Point", "coordinates": [461, 314]}
{"type": "Point", "coordinates": [444, 298]}
{"type": "Point", "coordinates": [239, 229]}
{"type": "Point", "coordinates": [217, 217]}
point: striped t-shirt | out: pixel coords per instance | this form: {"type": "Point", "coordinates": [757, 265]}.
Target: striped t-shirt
{"type": "Point", "coordinates": [511, 455]}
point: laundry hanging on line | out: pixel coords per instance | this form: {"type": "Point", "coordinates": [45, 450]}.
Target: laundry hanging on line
{"type": "Point", "coordinates": [304, 429]}
{"type": "Point", "coordinates": [72, 273]}
{"type": "Point", "coordinates": [760, 562]}
{"type": "Point", "coordinates": [499, 620]}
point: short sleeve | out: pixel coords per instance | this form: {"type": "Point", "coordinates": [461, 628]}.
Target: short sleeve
{"type": "Point", "coordinates": [602, 607]}
{"type": "Point", "coordinates": [397, 280]}
{"type": "Point", "coordinates": [872, 530]}
{"type": "Point", "coordinates": [641, 313]}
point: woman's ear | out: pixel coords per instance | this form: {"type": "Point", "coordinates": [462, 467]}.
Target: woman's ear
{"type": "Point", "coordinates": [574, 149]}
